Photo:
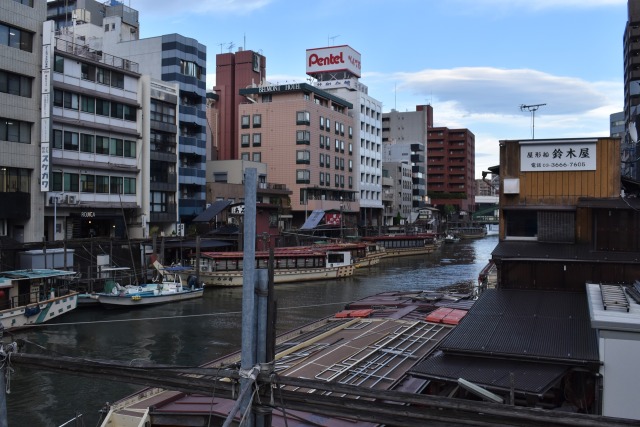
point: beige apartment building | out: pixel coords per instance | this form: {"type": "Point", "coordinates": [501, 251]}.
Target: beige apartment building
{"type": "Point", "coordinates": [305, 136]}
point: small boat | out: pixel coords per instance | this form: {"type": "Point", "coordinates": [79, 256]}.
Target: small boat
{"type": "Point", "coordinates": [397, 245]}
{"type": "Point", "coordinates": [451, 239]}
{"type": "Point", "coordinates": [292, 264]}
{"type": "Point", "coordinates": [35, 296]}
{"type": "Point", "coordinates": [169, 288]}
{"type": "Point", "coordinates": [468, 231]}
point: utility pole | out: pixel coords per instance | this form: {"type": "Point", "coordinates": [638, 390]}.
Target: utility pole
{"type": "Point", "coordinates": [532, 109]}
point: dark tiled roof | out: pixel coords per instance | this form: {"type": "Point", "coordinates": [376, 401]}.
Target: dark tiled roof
{"type": "Point", "coordinates": [559, 252]}
{"type": "Point", "coordinates": [527, 325]}
{"type": "Point", "coordinates": [210, 213]}
{"type": "Point", "coordinates": [535, 378]}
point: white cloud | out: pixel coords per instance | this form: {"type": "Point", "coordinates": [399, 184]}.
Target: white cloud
{"type": "Point", "coordinates": [538, 5]}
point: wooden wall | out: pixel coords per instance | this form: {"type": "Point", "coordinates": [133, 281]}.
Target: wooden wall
{"type": "Point", "coordinates": [562, 188]}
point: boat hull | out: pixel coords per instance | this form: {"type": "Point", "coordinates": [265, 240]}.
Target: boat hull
{"type": "Point", "coordinates": [234, 278]}
{"type": "Point", "coordinates": [400, 252]}
{"type": "Point", "coordinates": [144, 300]}
{"type": "Point", "coordinates": [37, 313]}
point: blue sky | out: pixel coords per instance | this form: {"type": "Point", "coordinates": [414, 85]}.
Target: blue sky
{"type": "Point", "coordinates": [475, 61]}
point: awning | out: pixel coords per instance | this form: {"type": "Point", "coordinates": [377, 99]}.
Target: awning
{"type": "Point", "coordinates": [213, 210]}
{"type": "Point", "coordinates": [313, 220]}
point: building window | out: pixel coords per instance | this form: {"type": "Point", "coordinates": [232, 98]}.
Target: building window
{"type": "Point", "coordinates": [257, 120]}
{"type": "Point", "coordinates": [71, 101]}
{"type": "Point", "coordinates": [350, 148]}
{"type": "Point", "coordinates": [257, 139]}
{"type": "Point", "coordinates": [337, 145]}
{"type": "Point", "coordinates": [303, 137]}
{"type": "Point", "coordinates": [337, 181]}
{"type": "Point", "coordinates": [303, 118]}
{"type": "Point", "coordinates": [191, 69]}
{"type": "Point", "coordinates": [327, 178]}
{"type": "Point", "coordinates": [321, 123]}
{"type": "Point", "coordinates": [18, 179]}
{"type": "Point", "coordinates": [15, 84]}
{"type": "Point", "coordinates": [321, 160]}
{"type": "Point", "coordinates": [321, 178]}
{"type": "Point", "coordinates": [129, 186]}
{"type": "Point", "coordinates": [163, 112]}
{"type": "Point", "coordinates": [87, 183]}
{"type": "Point", "coordinates": [350, 132]}
{"type": "Point", "coordinates": [337, 164]}
{"type": "Point", "coordinates": [16, 38]}
{"type": "Point", "coordinates": [342, 129]}
{"type": "Point", "coordinates": [350, 165]}
{"type": "Point", "coordinates": [244, 140]}
{"type": "Point", "coordinates": [244, 156]}
{"type": "Point", "coordinates": [102, 145]}
{"type": "Point", "coordinates": [130, 149]}
{"type": "Point", "coordinates": [87, 104]}
{"type": "Point", "coordinates": [337, 128]}
{"type": "Point", "coordinates": [341, 164]}
{"type": "Point", "coordinates": [103, 107]}
{"type": "Point", "coordinates": [303, 176]}
{"type": "Point", "coordinates": [71, 182]}
{"type": "Point", "coordinates": [58, 64]}
{"type": "Point", "coordinates": [266, 98]}
{"type": "Point", "coordinates": [350, 182]}
{"type": "Point", "coordinates": [244, 121]}
{"type": "Point", "coordinates": [303, 157]}
{"type": "Point", "coordinates": [25, 2]}
{"type": "Point", "coordinates": [341, 181]}
{"type": "Point", "coordinates": [71, 141]}
{"type": "Point", "coordinates": [102, 184]}
{"type": "Point", "coordinates": [221, 176]}
{"type": "Point", "coordinates": [15, 131]}
{"type": "Point", "coordinates": [158, 201]}
{"type": "Point", "coordinates": [257, 157]}
{"type": "Point", "coordinates": [328, 124]}
{"type": "Point", "coordinates": [327, 160]}
{"type": "Point", "coordinates": [321, 141]}
{"type": "Point", "coordinates": [116, 147]}
{"type": "Point", "coordinates": [521, 224]}
{"type": "Point", "coordinates": [115, 185]}
{"type": "Point", "coordinates": [86, 143]}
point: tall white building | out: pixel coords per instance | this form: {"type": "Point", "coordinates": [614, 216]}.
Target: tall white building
{"type": "Point", "coordinates": [337, 70]}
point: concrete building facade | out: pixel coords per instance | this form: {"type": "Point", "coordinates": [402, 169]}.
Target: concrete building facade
{"type": "Point", "coordinates": [22, 202]}
{"type": "Point", "coordinates": [397, 193]}
{"type": "Point", "coordinates": [412, 154]}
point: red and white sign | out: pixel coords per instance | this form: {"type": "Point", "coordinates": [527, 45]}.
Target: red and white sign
{"type": "Point", "coordinates": [333, 58]}
{"type": "Point", "coordinates": [332, 219]}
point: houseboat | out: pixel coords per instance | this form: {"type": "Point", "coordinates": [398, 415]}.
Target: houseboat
{"type": "Point", "coordinates": [31, 297]}
{"type": "Point", "coordinates": [292, 264]}
{"type": "Point", "coordinates": [397, 245]}
{"type": "Point", "coordinates": [468, 231]}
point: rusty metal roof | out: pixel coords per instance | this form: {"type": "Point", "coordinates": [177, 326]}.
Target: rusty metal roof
{"type": "Point", "coordinates": [527, 325]}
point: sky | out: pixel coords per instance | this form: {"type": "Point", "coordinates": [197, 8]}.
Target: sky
{"type": "Point", "coordinates": [477, 62]}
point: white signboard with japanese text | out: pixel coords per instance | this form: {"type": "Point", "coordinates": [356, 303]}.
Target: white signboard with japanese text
{"type": "Point", "coordinates": [574, 155]}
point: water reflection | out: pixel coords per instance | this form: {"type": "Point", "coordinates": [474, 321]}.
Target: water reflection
{"type": "Point", "coordinates": [196, 331]}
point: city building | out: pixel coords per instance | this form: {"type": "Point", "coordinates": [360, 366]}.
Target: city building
{"type": "Point", "coordinates": [451, 168]}
{"type": "Point", "coordinates": [411, 153]}
{"type": "Point", "coordinates": [631, 66]}
{"type": "Point", "coordinates": [337, 70]}
{"type": "Point", "coordinates": [306, 137]}
{"type": "Point", "coordinates": [22, 199]}
{"type": "Point", "coordinates": [171, 58]}
{"type": "Point", "coordinates": [397, 192]}
{"type": "Point", "coordinates": [410, 127]}
{"type": "Point", "coordinates": [234, 71]}
{"type": "Point", "coordinates": [92, 125]}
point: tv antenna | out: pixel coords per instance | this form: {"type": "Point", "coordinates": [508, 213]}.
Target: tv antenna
{"type": "Point", "coordinates": [532, 109]}
{"type": "Point", "coordinates": [331, 40]}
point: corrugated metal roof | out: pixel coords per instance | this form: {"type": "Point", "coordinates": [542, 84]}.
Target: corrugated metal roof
{"type": "Point", "coordinates": [522, 324]}
{"type": "Point", "coordinates": [533, 378]}
{"type": "Point", "coordinates": [559, 252]}
{"type": "Point", "coordinates": [213, 210]}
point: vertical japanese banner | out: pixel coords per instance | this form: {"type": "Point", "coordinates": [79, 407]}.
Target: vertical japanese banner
{"type": "Point", "coordinates": [45, 116]}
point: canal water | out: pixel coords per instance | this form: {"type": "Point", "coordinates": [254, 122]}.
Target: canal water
{"type": "Point", "coordinates": [194, 332]}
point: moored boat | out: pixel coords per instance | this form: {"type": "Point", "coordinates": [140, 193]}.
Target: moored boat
{"type": "Point", "coordinates": [450, 238]}
{"type": "Point", "coordinates": [468, 230]}
{"type": "Point", "coordinates": [170, 288]}
{"type": "Point", "coordinates": [292, 264]}
{"type": "Point", "coordinates": [397, 245]}
{"type": "Point", "coordinates": [31, 297]}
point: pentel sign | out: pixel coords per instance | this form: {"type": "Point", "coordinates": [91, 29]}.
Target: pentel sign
{"type": "Point", "coordinates": [334, 58]}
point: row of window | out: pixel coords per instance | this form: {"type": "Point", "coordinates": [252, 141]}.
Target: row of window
{"type": "Point", "coordinates": [15, 37]}
{"type": "Point", "coordinates": [91, 105]}
{"type": "Point", "coordinates": [303, 176]}
{"type": "Point", "coordinates": [325, 160]}
{"type": "Point", "coordinates": [94, 144]}
{"type": "Point", "coordinates": [161, 201]}
{"type": "Point", "coordinates": [25, 2]}
{"type": "Point", "coordinates": [15, 84]}
{"type": "Point", "coordinates": [89, 183]}
{"type": "Point", "coordinates": [93, 73]}
{"type": "Point", "coordinates": [255, 137]}
{"type": "Point", "coordinates": [14, 179]}
{"type": "Point", "coordinates": [162, 112]}
{"type": "Point", "coordinates": [255, 157]}
{"type": "Point", "coordinates": [15, 131]}
{"type": "Point", "coordinates": [245, 120]}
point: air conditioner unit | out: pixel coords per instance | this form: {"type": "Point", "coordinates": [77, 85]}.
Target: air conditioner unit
{"type": "Point", "coordinates": [72, 199]}
{"type": "Point", "coordinates": [55, 200]}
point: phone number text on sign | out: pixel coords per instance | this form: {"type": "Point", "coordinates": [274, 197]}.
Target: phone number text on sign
{"type": "Point", "coordinates": [558, 156]}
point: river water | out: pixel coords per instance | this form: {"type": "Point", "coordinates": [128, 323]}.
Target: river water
{"type": "Point", "coordinates": [194, 332]}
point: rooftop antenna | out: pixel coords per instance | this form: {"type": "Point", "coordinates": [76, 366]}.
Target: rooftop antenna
{"type": "Point", "coordinates": [532, 109]}
{"type": "Point", "coordinates": [331, 40]}
{"type": "Point", "coordinates": [222, 46]}
{"type": "Point", "coordinates": [231, 45]}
